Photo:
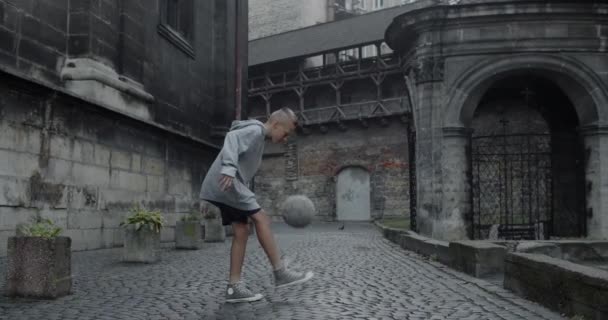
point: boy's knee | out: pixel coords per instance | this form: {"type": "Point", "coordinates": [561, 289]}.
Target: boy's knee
{"type": "Point", "coordinates": [261, 218]}
{"type": "Point", "coordinates": [241, 230]}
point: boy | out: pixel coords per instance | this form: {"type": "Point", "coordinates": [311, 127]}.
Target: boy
{"type": "Point", "coordinates": [225, 187]}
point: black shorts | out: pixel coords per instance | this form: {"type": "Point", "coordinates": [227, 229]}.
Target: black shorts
{"type": "Point", "coordinates": [231, 215]}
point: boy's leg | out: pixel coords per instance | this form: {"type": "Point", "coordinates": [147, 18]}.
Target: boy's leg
{"type": "Point", "coordinates": [266, 238]}
{"type": "Point", "coordinates": [237, 252]}
{"type": "Point", "coordinates": [282, 276]}
{"type": "Point", "coordinates": [237, 291]}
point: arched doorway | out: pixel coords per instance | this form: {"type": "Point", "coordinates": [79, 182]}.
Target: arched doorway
{"type": "Point", "coordinates": [353, 195]}
{"type": "Point", "coordinates": [527, 162]}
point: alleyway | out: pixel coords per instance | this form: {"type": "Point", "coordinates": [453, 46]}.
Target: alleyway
{"type": "Point", "coordinates": [360, 275]}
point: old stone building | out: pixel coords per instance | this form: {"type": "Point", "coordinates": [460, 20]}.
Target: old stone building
{"type": "Point", "coordinates": [105, 104]}
{"type": "Point", "coordinates": [509, 107]}
{"type": "Point", "coordinates": [351, 156]}
{"type": "Point", "coordinates": [498, 133]}
{"type": "Point", "coordinates": [269, 17]}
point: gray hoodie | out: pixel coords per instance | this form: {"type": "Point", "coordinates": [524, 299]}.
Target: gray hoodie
{"type": "Point", "coordinates": [240, 158]}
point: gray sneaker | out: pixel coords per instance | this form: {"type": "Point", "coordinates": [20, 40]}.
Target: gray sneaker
{"type": "Point", "coordinates": [284, 277]}
{"type": "Point", "coordinates": [239, 293]}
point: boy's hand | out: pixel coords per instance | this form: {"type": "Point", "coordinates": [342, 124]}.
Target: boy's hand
{"type": "Point", "coordinates": [225, 182]}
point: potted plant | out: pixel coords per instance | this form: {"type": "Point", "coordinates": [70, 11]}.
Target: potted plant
{"type": "Point", "coordinates": [39, 261]}
{"type": "Point", "coordinates": [188, 231]}
{"type": "Point", "coordinates": [214, 230]}
{"type": "Point", "coordinates": [142, 235]}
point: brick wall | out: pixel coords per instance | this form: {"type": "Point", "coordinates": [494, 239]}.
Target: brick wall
{"type": "Point", "coordinates": [382, 150]}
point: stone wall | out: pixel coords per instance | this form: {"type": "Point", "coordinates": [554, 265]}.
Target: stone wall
{"type": "Point", "coordinates": [318, 158]}
{"type": "Point", "coordinates": [103, 106]}
{"type": "Point", "coordinates": [84, 167]}
{"type": "Point", "coordinates": [114, 54]}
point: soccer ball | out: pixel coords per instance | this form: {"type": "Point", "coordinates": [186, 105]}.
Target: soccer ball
{"type": "Point", "coordinates": [297, 211]}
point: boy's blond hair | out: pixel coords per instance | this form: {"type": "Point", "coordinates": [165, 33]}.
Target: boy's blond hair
{"type": "Point", "coordinates": [284, 115]}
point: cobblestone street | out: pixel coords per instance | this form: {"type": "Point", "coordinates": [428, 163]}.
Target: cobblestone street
{"type": "Point", "coordinates": [359, 275]}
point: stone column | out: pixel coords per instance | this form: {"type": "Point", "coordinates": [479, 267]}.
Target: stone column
{"type": "Point", "coordinates": [455, 196]}
{"type": "Point", "coordinates": [596, 170]}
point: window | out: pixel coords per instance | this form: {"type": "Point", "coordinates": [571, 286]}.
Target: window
{"type": "Point", "coordinates": [177, 23]}
{"type": "Point", "coordinates": [378, 4]}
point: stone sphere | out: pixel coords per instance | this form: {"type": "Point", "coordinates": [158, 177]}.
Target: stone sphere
{"type": "Point", "coordinates": [297, 211]}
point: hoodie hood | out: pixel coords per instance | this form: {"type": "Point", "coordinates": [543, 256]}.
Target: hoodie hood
{"type": "Point", "coordinates": [236, 125]}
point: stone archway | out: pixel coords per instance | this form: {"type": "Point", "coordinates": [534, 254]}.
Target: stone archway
{"type": "Point", "coordinates": [579, 84]}
{"type": "Point", "coordinates": [526, 161]}
{"type": "Point", "coordinates": [353, 194]}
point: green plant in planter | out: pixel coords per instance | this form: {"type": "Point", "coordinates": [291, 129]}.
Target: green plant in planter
{"type": "Point", "coordinates": [191, 217]}
{"type": "Point", "coordinates": [43, 228]}
{"type": "Point", "coordinates": [141, 217]}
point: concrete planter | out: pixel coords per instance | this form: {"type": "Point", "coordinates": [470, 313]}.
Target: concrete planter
{"type": "Point", "coordinates": [141, 246]}
{"type": "Point", "coordinates": [214, 231]}
{"type": "Point", "coordinates": [39, 267]}
{"type": "Point", "coordinates": [188, 235]}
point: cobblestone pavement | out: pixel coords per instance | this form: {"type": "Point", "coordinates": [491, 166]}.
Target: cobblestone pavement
{"type": "Point", "coordinates": [359, 275]}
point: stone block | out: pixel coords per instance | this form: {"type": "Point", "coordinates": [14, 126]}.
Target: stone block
{"type": "Point", "coordinates": [102, 155]}
{"type": "Point", "coordinates": [548, 249]}
{"type": "Point", "coordinates": [84, 219]}
{"type": "Point", "coordinates": [59, 171]}
{"type": "Point", "coordinates": [85, 239]}
{"type": "Point", "coordinates": [136, 162]}
{"type": "Point", "coordinates": [141, 245]}
{"type": "Point", "coordinates": [4, 235]}
{"type": "Point", "coordinates": [112, 218]}
{"type": "Point", "coordinates": [477, 258]}
{"type": "Point", "coordinates": [83, 197]}
{"type": "Point", "coordinates": [120, 200]}
{"type": "Point", "coordinates": [14, 192]}
{"type": "Point", "coordinates": [155, 184]}
{"type": "Point", "coordinates": [11, 217]}
{"type": "Point", "coordinates": [18, 164]}
{"type": "Point", "coordinates": [427, 246]}
{"type": "Point", "coordinates": [47, 194]}
{"type": "Point", "coordinates": [120, 159]}
{"type": "Point", "coordinates": [112, 237]}
{"type": "Point", "coordinates": [128, 180]}
{"type": "Point", "coordinates": [38, 267]}
{"type": "Point", "coordinates": [153, 166]}
{"type": "Point", "coordinates": [580, 250]}
{"type": "Point", "coordinates": [178, 186]}
{"type": "Point", "coordinates": [184, 204]}
{"type": "Point", "coordinates": [560, 285]}
{"type": "Point", "coordinates": [392, 234]}
{"type": "Point", "coordinates": [84, 151]}
{"type": "Point", "coordinates": [188, 235]}
{"type": "Point", "coordinates": [61, 147]}
{"type": "Point", "coordinates": [19, 138]}
{"type": "Point", "coordinates": [84, 174]}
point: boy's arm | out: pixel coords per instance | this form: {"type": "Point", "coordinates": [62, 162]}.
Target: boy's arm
{"type": "Point", "coordinates": [236, 143]}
